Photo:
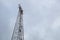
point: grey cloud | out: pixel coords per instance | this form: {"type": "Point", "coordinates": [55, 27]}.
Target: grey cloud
{"type": "Point", "coordinates": [41, 19]}
{"type": "Point", "coordinates": [41, 14]}
{"type": "Point", "coordinates": [7, 12]}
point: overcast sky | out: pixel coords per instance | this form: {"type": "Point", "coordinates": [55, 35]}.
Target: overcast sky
{"type": "Point", "coordinates": [41, 19]}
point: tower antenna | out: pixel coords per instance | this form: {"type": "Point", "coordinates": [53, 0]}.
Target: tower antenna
{"type": "Point", "coordinates": [18, 32]}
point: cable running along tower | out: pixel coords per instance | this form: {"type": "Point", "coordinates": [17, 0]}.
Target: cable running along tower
{"type": "Point", "coordinates": [18, 33]}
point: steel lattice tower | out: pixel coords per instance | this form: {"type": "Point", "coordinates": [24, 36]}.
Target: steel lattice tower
{"type": "Point", "coordinates": [18, 33]}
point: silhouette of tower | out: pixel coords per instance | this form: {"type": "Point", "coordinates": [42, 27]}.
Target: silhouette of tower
{"type": "Point", "coordinates": [18, 32]}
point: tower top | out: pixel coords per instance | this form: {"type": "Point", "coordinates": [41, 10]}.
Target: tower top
{"type": "Point", "coordinates": [18, 33]}
{"type": "Point", "coordinates": [20, 9]}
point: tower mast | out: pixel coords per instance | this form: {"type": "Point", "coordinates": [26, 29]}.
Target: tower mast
{"type": "Point", "coordinates": [18, 33]}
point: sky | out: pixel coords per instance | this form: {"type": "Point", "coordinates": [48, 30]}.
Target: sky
{"type": "Point", "coordinates": [41, 19]}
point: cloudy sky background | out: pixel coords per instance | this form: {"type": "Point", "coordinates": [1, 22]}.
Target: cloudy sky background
{"type": "Point", "coordinates": [41, 19]}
